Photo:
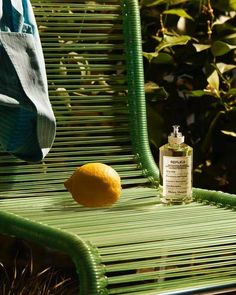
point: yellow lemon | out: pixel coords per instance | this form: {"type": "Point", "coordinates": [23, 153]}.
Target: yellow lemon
{"type": "Point", "coordinates": [94, 185]}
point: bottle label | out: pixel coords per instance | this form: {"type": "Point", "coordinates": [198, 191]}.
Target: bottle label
{"type": "Point", "coordinates": [177, 176]}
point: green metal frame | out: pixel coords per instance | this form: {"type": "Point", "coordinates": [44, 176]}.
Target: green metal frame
{"type": "Point", "coordinates": [83, 254]}
{"type": "Point", "coordinates": [135, 75]}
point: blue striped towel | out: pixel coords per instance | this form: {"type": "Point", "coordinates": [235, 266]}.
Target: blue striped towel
{"type": "Point", "coordinates": [27, 122]}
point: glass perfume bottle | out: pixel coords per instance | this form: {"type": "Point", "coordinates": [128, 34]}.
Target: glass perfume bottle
{"type": "Point", "coordinates": [175, 162]}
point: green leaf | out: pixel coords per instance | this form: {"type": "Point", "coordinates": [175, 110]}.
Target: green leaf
{"type": "Point", "coordinates": [150, 55]}
{"type": "Point", "coordinates": [224, 5]}
{"type": "Point", "coordinates": [150, 87]}
{"type": "Point", "coordinates": [163, 58]}
{"type": "Point", "coordinates": [178, 11]}
{"type": "Point", "coordinates": [229, 133]}
{"type": "Point", "coordinates": [170, 41]}
{"type": "Point", "coordinates": [232, 91]}
{"type": "Point", "coordinates": [220, 48]}
{"type": "Point", "coordinates": [214, 82]}
{"type": "Point", "coordinates": [154, 92]}
{"type": "Point", "coordinates": [222, 67]}
{"type": "Point", "coordinates": [200, 93]}
{"type": "Point", "coordinates": [149, 3]}
{"type": "Point", "coordinates": [201, 47]}
{"type": "Point", "coordinates": [197, 93]}
{"type": "Point", "coordinates": [220, 21]}
{"type": "Point", "coordinates": [175, 2]}
{"type": "Point", "coordinates": [232, 5]}
{"type": "Point", "coordinates": [231, 38]}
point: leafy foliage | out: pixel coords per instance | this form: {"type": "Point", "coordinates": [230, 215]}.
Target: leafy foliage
{"type": "Point", "coordinates": [189, 57]}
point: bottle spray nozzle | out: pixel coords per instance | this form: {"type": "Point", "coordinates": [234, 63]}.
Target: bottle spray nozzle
{"type": "Point", "coordinates": [175, 137]}
{"type": "Point", "coordinates": [176, 130]}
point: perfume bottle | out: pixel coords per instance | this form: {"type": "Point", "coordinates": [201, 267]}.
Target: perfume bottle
{"type": "Point", "coordinates": [175, 162]}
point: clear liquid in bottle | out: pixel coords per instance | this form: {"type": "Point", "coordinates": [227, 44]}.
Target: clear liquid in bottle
{"type": "Point", "coordinates": [175, 162]}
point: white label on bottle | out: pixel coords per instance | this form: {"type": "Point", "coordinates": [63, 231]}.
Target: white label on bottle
{"type": "Point", "coordinates": [177, 176]}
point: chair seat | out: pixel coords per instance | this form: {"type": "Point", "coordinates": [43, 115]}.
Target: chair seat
{"type": "Point", "coordinates": [142, 246]}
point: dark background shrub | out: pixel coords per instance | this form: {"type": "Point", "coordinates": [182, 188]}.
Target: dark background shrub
{"type": "Point", "coordinates": [190, 75]}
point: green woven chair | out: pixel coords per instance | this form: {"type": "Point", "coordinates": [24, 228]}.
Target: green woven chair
{"type": "Point", "coordinates": [95, 77]}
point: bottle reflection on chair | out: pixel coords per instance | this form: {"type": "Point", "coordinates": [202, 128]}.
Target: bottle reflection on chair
{"type": "Point", "coordinates": [175, 162]}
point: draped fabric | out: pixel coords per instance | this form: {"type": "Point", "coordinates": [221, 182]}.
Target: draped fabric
{"type": "Point", "coordinates": [27, 122]}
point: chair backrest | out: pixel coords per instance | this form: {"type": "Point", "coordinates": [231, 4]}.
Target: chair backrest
{"type": "Point", "coordinates": [93, 61]}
